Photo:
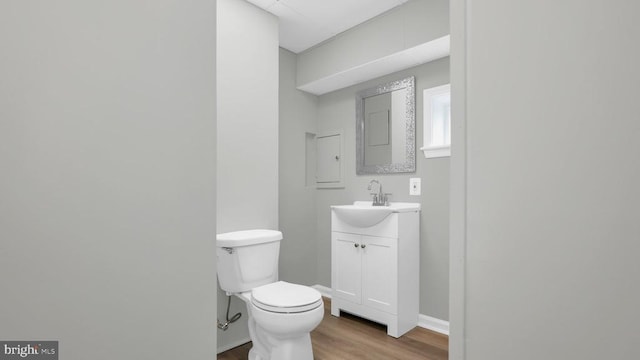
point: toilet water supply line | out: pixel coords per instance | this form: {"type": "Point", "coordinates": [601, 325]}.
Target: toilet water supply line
{"type": "Point", "coordinates": [224, 326]}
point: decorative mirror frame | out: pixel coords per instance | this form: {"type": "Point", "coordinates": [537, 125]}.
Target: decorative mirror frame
{"type": "Point", "coordinates": [410, 119]}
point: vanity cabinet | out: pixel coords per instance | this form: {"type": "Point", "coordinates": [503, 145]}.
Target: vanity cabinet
{"type": "Point", "coordinates": [375, 270]}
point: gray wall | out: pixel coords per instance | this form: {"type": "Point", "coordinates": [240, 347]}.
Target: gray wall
{"type": "Point", "coordinates": [336, 110]}
{"type": "Point", "coordinates": [107, 192]}
{"type": "Point", "coordinates": [552, 176]}
{"type": "Point", "coordinates": [413, 23]}
{"type": "Point", "coordinates": [247, 117]}
{"type": "Point", "coordinates": [298, 115]}
{"type": "Point", "coordinates": [247, 131]}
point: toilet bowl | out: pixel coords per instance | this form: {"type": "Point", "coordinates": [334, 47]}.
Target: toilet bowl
{"type": "Point", "coordinates": [281, 315]}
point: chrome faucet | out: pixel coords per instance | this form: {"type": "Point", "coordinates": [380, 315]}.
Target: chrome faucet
{"type": "Point", "coordinates": [379, 198]}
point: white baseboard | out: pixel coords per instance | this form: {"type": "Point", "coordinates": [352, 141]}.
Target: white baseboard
{"type": "Point", "coordinates": [433, 324]}
{"type": "Point", "coordinates": [325, 291]}
{"type": "Point", "coordinates": [424, 321]}
{"type": "Point", "coordinates": [232, 345]}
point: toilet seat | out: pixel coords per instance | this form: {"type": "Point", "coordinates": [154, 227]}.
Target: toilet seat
{"type": "Point", "coordinates": [283, 297]}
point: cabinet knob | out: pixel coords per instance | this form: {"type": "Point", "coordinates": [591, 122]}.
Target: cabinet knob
{"type": "Point", "coordinates": [363, 246]}
{"type": "Point", "coordinates": [355, 245]}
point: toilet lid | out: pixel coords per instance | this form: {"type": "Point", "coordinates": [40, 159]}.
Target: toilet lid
{"type": "Point", "coordinates": [284, 297]}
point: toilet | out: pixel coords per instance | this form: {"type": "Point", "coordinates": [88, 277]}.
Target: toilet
{"type": "Point", "coordinates": [281, 315]}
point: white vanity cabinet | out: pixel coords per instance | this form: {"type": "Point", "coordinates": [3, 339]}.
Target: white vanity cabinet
{"type": "Point", "coordinates": [375, 270]}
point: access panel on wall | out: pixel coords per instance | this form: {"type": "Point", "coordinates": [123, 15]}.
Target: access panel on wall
{"type": "Point", "coordinates": [329, 162]}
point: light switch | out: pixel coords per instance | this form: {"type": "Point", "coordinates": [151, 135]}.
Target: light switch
{"type": "Point", "coordinates": [414, 186]}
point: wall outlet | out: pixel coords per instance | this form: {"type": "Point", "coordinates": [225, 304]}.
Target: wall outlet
{"type": "Point", "coordinates": [415, 186]}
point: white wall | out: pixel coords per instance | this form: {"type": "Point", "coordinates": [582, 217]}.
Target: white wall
{"type": "Point", "coordinates": [107, 192]}
{"type": "Point", "coordinates": [298, 116]}
{"type": "Point", "coordinates": [247, 130]}
{"type": "Point", "coordinates": [247, 117]}
{"type": "Point", "coordinates": [411, 24]}
{"type": "Point", "coordinates": [552, 176]}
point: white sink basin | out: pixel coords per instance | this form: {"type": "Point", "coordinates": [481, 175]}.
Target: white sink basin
{"type": "Point", "coordinates": [364, 214]}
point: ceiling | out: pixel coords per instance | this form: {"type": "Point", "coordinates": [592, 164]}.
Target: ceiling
{"type": "Point", "coordinates": [305, 23]}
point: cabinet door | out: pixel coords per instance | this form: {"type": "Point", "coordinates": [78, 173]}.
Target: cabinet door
{"type": "Point", "coordinates": [380, 273]}
{"type": "Point", "coordinates": [346, 271]}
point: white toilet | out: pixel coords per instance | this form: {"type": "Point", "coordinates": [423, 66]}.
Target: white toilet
{"type": "Point", "coordinates": [281, 314]}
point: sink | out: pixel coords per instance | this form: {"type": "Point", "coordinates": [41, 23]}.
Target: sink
{"type": "Point", "coordinates": [361, 216]}
{"type": "Point", "coordinates": [364, 214]}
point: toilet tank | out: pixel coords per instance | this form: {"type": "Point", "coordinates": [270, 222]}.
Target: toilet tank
{"type": "Point", "coordinates": [247, 259]}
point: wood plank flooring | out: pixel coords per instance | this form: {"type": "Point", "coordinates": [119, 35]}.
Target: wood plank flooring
{"type": "Point", "coordinates": [351, 338]}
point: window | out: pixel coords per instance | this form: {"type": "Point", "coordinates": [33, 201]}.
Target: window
{"type": "Point", "coordinates": [437, 121]}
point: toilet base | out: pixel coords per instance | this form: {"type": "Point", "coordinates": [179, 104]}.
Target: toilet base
{"type": "Point", "coordinates": [284, 349]}
{"type": "Point", "coordinates": [275, 344]}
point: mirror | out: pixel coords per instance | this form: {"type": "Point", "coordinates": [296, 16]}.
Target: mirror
{"type": "Point", "coordinates": [385, 128]}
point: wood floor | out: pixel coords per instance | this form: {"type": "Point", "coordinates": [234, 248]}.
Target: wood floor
{"type": "Point", "coordinates": [350, 338]}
